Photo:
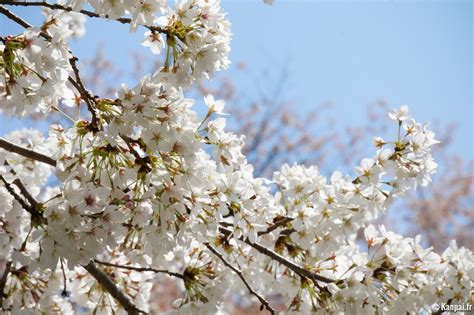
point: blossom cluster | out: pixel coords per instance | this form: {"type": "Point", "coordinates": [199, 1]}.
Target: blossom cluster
{"type": "Point", "coordinates": [147, 186]}
{"type": "Point", "coordinates": [197, 38]}
{"type": "Point", "coordinates": [35, 65]}
{"type": "Point", "coordinates": [194, 34]}
{"type": "Point", "coordinates": [143, 12]}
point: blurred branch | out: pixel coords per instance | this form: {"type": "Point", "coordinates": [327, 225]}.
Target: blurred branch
{"type": "Point", "coordinates": [7, 145]}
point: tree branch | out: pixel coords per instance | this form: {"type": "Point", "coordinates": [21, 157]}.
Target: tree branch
{"type": "Point", "coordinates": [239, 273]}
{"type": "Point", "coordinates": [91, 14]}
{"type": "Point", "coordinates": [282, 260]}
{"type": "Point", "coordinates": [141, 269]}
{"type": "Point", "coordinates": [112, 288]}
{"type": "Point", "coordinates": [11, 147]}
{"type": "Point", "coordinates": [13, 16]}
{"type": "Point", "coordinates": [85, 94]}
{"type": "Point", "coordinates": [278, 223]}
{"type": "Point", "coordinates": [22, 187]}
{"type": "Point", "coordinates": [30, 209]}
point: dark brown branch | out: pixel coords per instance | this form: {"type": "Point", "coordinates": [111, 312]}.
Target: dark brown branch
{"type": "Point", "coordinates": [18, 198]}
{"type": "Point", "coordinates": [239, 273]}
{"type": "Point", "coordinates": [282, 260]}
{"type": "Point", "coordinates": [91, 14]}
{"type": "Point", "coordinates": [140, 269]}
{"type": "Point", "coordinates": [22, 187]}
{"type": "Point", "coordinates": [85, 94]}
{"type": "Point", "coordinates": [25, 192]}
{"type": "Point", "coordinates": [112, 288]}
{"type": "Point", "coordinates": [13, 16]}
{"type": "Point", "coordinates": [11, 147]}
{"type": "Point", "coordinates": [3, 281]}
{"type": "Point", "coordinates": [30, 204]}
{"type": "Point", "coordinates": [279, 223]}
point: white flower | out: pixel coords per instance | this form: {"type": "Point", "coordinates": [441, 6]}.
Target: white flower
{"type": "Point", "coordinates": [213, 105]}
{"type": "Point", "coordinates": [155, 41]}
{"type": "Point", "coordinates": [400, 114]}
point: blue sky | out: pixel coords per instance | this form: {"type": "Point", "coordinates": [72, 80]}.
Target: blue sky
{"type": "Point", "coordinates": [349, 52]}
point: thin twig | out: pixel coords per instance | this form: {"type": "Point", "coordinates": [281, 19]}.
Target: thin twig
{"type": "Point", "coordinates": [282, 260]}
{"type": "Point", "coordinates": [239, 273]}
{"type": "Point", "coordinates": [85, 94]}
{"type": "Point", "coordinates": [107, 283]}
{"type": "Point", "coordinates": [140, 269]}
{"type": "Point", "coordinates": [91, 14]}
{"type": "Point", "coordinates": [28, 153]}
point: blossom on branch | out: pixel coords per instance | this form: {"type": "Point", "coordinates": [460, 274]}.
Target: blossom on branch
{"type": "Point", "coordinates": [146, 186]}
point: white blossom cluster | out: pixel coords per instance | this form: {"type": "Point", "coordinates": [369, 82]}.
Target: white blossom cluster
{"type": "Point", "coordinates": [197, 38]}
{"type": "Point", "coordinates": [35, 65]}
{"type": "Point", "coordinates": [143, 12]}
{"type": "Point", "coordinates": [194, 34]}
{"type": "Point", "coordinates": [147, 186]}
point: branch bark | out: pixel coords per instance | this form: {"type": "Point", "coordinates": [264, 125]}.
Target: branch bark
{"type": "Point", "coordinates": [85, 94]}
{"type": "Point", "coordinates": [282, 260]}
{"type": "Point", "coordinates": [112, 288]}
{"type": "Point", "coordinates": [35, 215]}
{"type": "Point", "coordinates": [11, 147]}
{"type": "Point", "coordinates": [278, 223]}
{"type": "Point", "coordinates": [13, 16]}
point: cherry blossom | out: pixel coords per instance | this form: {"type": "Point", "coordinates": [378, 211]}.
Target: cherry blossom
{"type": "Point", "coordinates": [147, 187]}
